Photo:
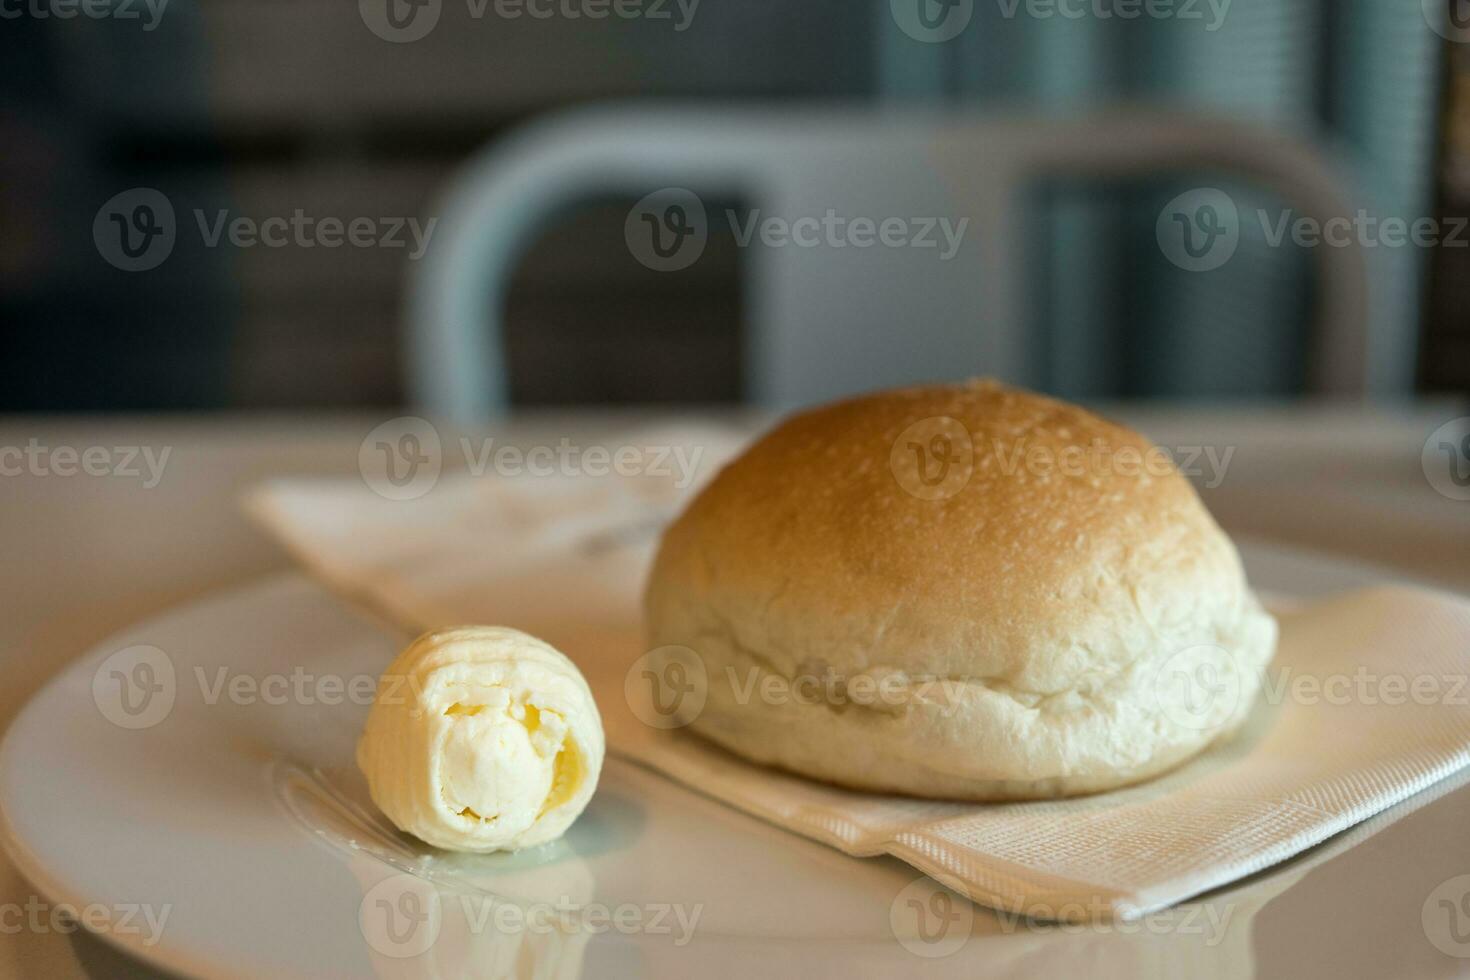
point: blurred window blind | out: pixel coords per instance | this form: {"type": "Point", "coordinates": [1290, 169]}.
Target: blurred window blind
{"type": "Point", "coordinates": [1444, 360]}
{"type": "Point", "coordinates": [1359, 75]}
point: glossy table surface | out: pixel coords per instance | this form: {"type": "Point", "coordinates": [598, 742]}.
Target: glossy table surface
{"type": "Point", "coordinates": [92, 552]}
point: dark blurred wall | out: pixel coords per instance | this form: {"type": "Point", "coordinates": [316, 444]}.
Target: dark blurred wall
{"type": "Point", "coordinates": [1444, 361]}
{"type": "Point", "coordinates": [90, 108]}
{"type": "Point", "coordinates": [261, 107]}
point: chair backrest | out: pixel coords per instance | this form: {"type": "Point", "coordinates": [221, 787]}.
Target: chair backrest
{"type": "Point", "coordinates": [821, 315]}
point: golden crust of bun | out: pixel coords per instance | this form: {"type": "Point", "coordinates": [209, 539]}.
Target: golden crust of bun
{"type": "Point", "coordinates": [1036, 566]}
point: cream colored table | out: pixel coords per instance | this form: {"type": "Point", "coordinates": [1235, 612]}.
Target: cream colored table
{"type": "Point", "coordinates": [88, 554]}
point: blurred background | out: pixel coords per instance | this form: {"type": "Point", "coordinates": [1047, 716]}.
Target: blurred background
{"type": "Point", "coordinates": [175, 174]}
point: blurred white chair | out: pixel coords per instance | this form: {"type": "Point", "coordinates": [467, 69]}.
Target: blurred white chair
{"type": "Point", "coordinates": [821, 318]}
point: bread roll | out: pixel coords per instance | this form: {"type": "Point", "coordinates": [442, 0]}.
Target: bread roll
{"type": "Point", "coordinates": [959, 591]}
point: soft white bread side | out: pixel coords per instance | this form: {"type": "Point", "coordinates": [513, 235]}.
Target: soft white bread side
{"type": "Point", "coordinates": [964, 591]}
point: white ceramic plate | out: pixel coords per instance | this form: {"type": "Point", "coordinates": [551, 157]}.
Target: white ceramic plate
{"type": "Point", "coordinates": [219, 827]}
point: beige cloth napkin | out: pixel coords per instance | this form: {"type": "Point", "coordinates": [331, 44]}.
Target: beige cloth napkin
{"type": "Point", "coordinates": [1365, 704]}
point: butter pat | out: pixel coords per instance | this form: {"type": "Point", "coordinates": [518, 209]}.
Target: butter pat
{"type": "Point", "coordinates": [482, 738]}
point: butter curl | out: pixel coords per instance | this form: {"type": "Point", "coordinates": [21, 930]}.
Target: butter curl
{"type": "Point", "coordinates": [482, 738]}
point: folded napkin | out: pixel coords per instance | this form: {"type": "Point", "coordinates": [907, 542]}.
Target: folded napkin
{"type": "Point", "coordinates": [1365, 704]}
